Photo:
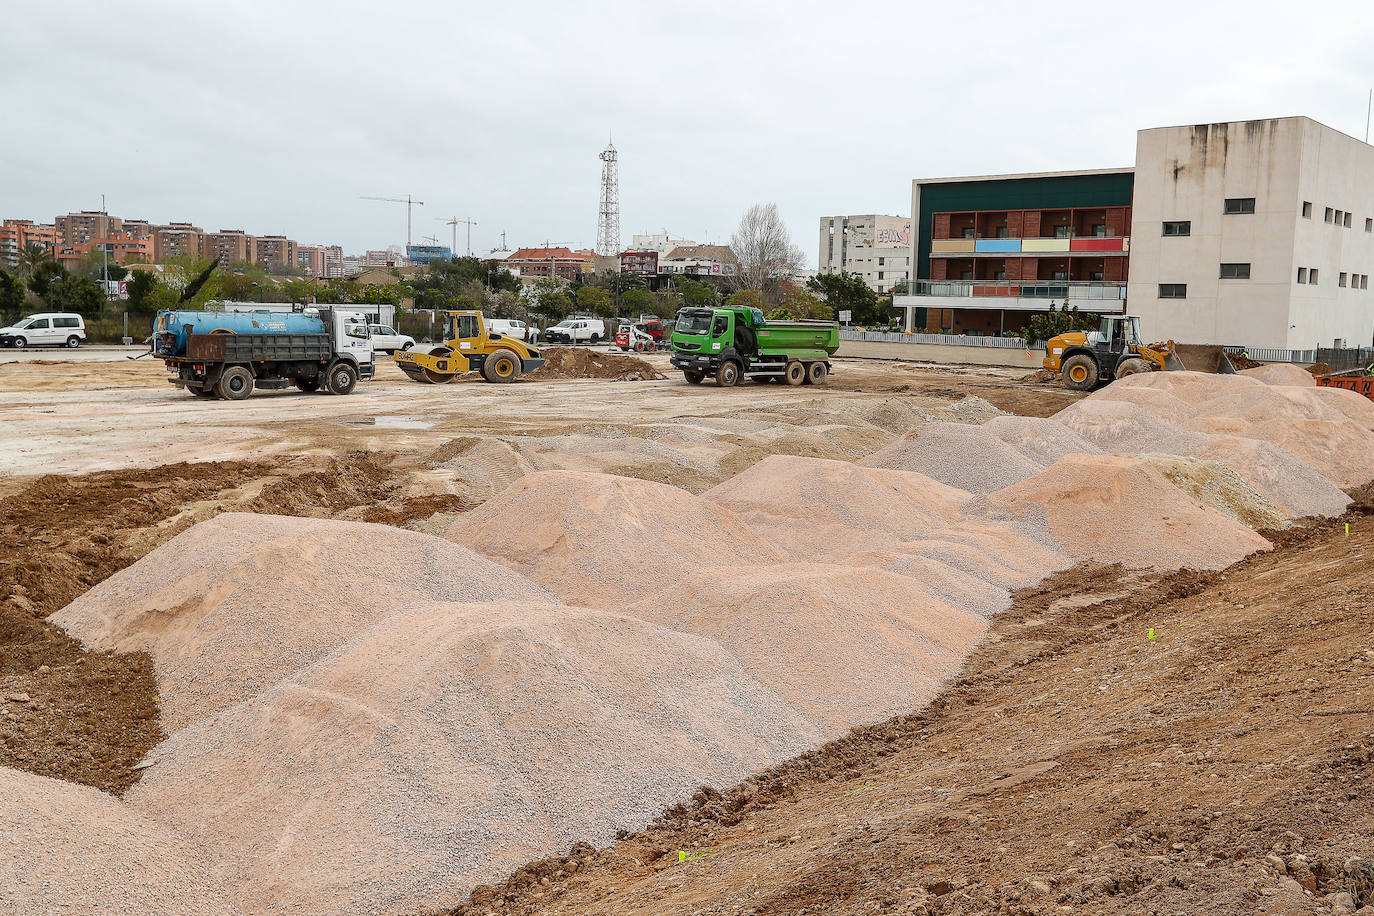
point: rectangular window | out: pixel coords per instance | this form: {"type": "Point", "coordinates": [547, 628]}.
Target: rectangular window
{"type": "Point", "coordinates": [1307, 209]}
{"type": "Point", "coordinates": [968, 232]}
{"type": "Point", "coordinates": [1302, 274]}
{"type": "Point", "coordinates": [1312, 276]}
{"type": "Point", "coordinates": [880, 275]}
{"type": "Point", "coordinates": [1100, 230]}
{"type": "Point", "coordinates": [1240, 205]}
{"type": "Point", "coordinates": [1173, 290]}
{"type": "Point", "coordinates": [1095, 276]}
{"type": "Point", "coordinates": [1340, 217]}
{"type": "Point", "coordinates": [1347, 220]}
{"type": "Point", "coordinates": [1235, 271]}
{"type": "Point", "coordinates": [1061, 275]}
{"type": "Point", "coordinates": [1061, 232]}
{"type": "Point", "coordinates": [880, 261]}
{"type": "Point", "coordinates": [1001, 232]}
{"type": "Point", "coordinates": [1340, 281]}
{"type": "Point", "coordinates": [1364, 282]}
{"type": "Point", "coordinates": [1178, 227]}
{"type": "Point", "coordinates": [965, 275]}
{"type": "Point", "coordinates": [999, 275]}
{"type": "Point", "coordinates": [1329, 213]}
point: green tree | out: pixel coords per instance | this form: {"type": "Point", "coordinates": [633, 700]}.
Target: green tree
{"type": "Point", "coordinates": [696, 293]}
{"type": "Point", "coordinates": [11, 293]}
{"type": "Point", "coordinates": [141, 287]}
{"type": "Point", "coordinates": [596, 299]}
{"type": "Point", "coordinates": [746, 298]}
{"type": "Point", "coordinates": [30, 258]}
{"type": "Point", "coordinates": [636, 302]}
{"type": "Point", "coordinates": [72, 293]}
{"type": "Point", "coordinates": [849, 291]}
{"type": "Point", "coordinates": [44, 275]}
{"type": "Point", "coordinates": [1052, 323]}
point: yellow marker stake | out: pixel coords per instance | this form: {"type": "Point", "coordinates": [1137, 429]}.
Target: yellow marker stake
{"type": "Point", "coordinates": [1151, 634]}
{"type": "Point", "coordinates": [1347, 529]}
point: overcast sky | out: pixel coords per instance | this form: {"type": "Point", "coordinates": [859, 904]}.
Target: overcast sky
{"type": "Point", "coordinates": [276, 118]}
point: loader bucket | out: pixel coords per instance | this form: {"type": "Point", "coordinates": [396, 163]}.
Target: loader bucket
{"type": "Point", "coordinates": [1172, 363]}
{"type": "Point", "coordinates": [1207, 358]}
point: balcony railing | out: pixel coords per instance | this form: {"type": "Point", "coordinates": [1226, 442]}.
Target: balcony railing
{"type": "Point", "coordinates": [1024, 289]}
{"type": "Point", "coordinates": [1084, 244]}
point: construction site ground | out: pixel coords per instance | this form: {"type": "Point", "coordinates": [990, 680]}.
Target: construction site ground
{"type": "Point", "coordinates": [1120, 742]}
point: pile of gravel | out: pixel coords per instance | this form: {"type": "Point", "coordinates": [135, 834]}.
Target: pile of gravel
{"type": "Point", "coordinates": [1044, 440]}
{"type": "Point", "coordinates": [231, 606]}
{"type": "Point", "coordinates": [961, 455]}
{"type": "Point", "coordinates": [66, 848]}
{"type": "Point", "coordinates": [1214, 484]}
{"type": "Point", "coordinates": [1285, 374]}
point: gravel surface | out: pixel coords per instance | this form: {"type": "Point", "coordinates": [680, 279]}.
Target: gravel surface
{"type": "Point", "coordinates": [1041, 439]}
{"type": "Point", "coordinates": [444, 746]}
{"type": "Point", "coordinates": [231, 606]}
{"type": "Point", "coordinates": [1214, 484]}
{"type": "Point", "coordinates": [66, 848]}
{"type": "Point", "coordinates": [891, 640]}
{"type": "Point", "coordinates": [1281, 374]}
{"type": "Point", "coordinates": [961, 455]}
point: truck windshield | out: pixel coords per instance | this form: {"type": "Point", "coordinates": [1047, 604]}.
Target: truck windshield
{"type": "Point", "coordinates": [694, 324]}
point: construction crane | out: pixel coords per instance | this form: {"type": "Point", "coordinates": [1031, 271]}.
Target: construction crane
{"type": "Point", "coordinates": [454, 221]}
{"type": "Point", "coordinates": [408, 201]}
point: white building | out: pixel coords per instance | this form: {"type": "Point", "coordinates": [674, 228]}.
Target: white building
{"type": "Point", "coordinates": [1254, 233]}
{"type": "Point", "coordinates": [661, 242]}
{"type": "Point", "coordinates": [874, 246]}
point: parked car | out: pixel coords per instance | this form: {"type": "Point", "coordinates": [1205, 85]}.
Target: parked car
{"type": "Point", "coordinates": [386, 339]}
{"type": "Point", "coordinates": [53, 329]}
{"type": "Point", "coordinates": [511, 327]}
{"type": "Point", "coordinates": [577, 330]}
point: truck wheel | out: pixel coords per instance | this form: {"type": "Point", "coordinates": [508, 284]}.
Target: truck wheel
{"type": "Point", "coordinates": [501, 366]}
{"type": "Point", "coordinates": [816, 373]}
{"type": "Point", "coordinates": [307, 385]}
{"type": "Point", "coordinates": [235, 384]}
{"type": "Point", "coordinates": [1132, 367]}
{"type": "Point", "coordinates": [343, 378]}
{"type": "Point", "coordinates": [1080, 372]}
{"type": "Point", "coordinates": [794, 372]}
{"type": "Point", "coordinates": [693, 377]}
{"type": "Point", "coordinates": [73, 342]}
{"type": "Point", "coordinates": [727, 376]}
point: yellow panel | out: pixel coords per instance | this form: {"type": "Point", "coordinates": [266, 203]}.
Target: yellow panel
{"type": "Point", "coordinates": [1044, 244]}
{"type": "Point", "coordinates": [943, 245]}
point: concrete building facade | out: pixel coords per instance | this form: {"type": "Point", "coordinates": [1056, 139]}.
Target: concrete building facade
{"type": "Point", "coordinates": [177, 240]}
{"type": "Point", "coordinates": [79, 228]}
{"type": "Point", "coordinates": [229, 245]}
{"type": "Point", "coordinates": [274, 251]}
{"type": "Point", "coordinates": [1254, 233]}
{"type": "Point", "coordinates": [17, 234]}
{"type": "Point", "coordinates": [875, 246]}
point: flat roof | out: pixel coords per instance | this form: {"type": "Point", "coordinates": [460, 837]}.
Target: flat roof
{"type": "Point", "coordinates": [1321, 124]}
{"type": "Point", "coordinates": [1076, 173]}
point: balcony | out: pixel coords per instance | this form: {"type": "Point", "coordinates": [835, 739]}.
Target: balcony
{"type": "Point", "coordinates": [1087, 244]}
{"type": "Point", "coordinates": [1012, 295]}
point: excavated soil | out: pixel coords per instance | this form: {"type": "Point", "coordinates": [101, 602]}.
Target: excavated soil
{"type": "Point", "coordinates": [1118, 744]}
{"type": "Point", "coordinates": [581, 362]}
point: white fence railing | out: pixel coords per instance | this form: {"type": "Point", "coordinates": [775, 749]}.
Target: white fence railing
{"type": "Point", "coordinates": [955, 340]}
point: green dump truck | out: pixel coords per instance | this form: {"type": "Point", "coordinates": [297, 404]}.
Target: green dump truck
{"type": "Point", "coordinates": [731, 344]}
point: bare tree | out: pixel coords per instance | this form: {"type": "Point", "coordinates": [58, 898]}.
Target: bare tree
{"type": "Point", "coordinates": [765, 251]}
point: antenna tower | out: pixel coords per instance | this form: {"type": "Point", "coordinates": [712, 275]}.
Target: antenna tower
{"type": "Point", "coordinates": [608, 220]}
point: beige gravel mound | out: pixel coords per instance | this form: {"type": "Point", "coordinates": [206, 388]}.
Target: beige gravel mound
{"type": "Point", "coordinates": [1005, 555]}
{"type": "Point", "coordinates": [1214, 484]}
{"type": "Point", "coordinates": [1113, 509]}
{"type": "Point", "coordinates": [1125, 428]}
{"type": "Point", "coordinates": [1291, 484]}
{"type": "Point", "coordinates": [441, 749]}
{"type": "Point", "coordinates": [66, 848]}
{"type": "Point", "coordinates": [960, 455]}
{"type": "Point", "coordinates": [231, 606]}
{"type": "Point", "coordinates": [1044, 440]}
{"type": "Point", "coordinates": [1340, 450]}
{"type": "Point", "coordinates": [596, 539]}
{"type": "Point", "coordinates": [1281, 374]}
{"type": "Point", "coordinates": [890, 640]}
{"type": "Point", "coordinates": [826, 510]}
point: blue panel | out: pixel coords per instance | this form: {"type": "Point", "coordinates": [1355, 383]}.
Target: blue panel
{"type": "Point", "coordinates": [998, 245]}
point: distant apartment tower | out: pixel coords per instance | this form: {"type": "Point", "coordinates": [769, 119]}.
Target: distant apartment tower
{"type": "Point", "coordinates": [79, 228]}
{"type": "Point", "coordinates": [177, 240]}
{"type": "Point", "coordinates": [229, 245]}
{"type": "Point", "coordinates": [311, 259]}
{"type": "Point", "coordinates": [872, 245]}
{"type": "Point", "coordinates": [274, 251]}
{"type": "Point", "coordinates": [333, 261]}
{"type": "Point", "coordinates": [18, 234]}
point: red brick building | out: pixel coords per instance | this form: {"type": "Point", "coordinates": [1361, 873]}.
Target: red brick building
{"type": "Point", "coordinates": [563, 263]}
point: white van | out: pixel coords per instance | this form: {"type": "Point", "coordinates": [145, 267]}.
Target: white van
{"type": "Point", "coordinates": [388, 339]}
{"type": "Point", "coordinates": [46, 329]}
{"type": "Point", "coordinates": [577, 330]}
{"type": "Point", "coordinates": [509, 327]}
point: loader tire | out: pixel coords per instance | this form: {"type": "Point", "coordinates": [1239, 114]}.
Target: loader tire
{"type": "Point", "coordinates": [501, 366]}
{"type": "Point", "coordinates": [1132, 367]}
{"type": "Point", "coordinates": [794, 372]}
{"type": "Point", "coordinates": [1080, 372]}
{"type": "Point", "coordinates": [235, 384]}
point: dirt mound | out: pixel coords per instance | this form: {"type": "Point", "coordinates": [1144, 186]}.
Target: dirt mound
{"type": "Point", "coordinates": [826, 510]}
{"type": "Point", "coordinates": [1214, 484]}
{"type": "Point", "coordinates": [1291, 484]}
{"type": "Point", "coordinates": [72, 849]}
{"type": "Point", "coordinates": [581, 362]}
{"type": "Point", "coordinates": [1320, 369]}
{"type": "Point", "coordinates": [1341, 451]}
{"type": "Point", "coordinates": [1240, 362]}
{"type": "Point", "coordinates": [233, 605]}
{"type": "Point", "coordinates": [1003, 556]}
{"type": "Point", "coordinates": [1112, 509]}
{"type": "Point", "coordinates": [596, 539]}
{"type": "Point", "coordinates": [357, 479]}
{"type": "Point", "coordinates": [959, 455]}
{"type": "Point", "coordinates": [1280, 374]}
{"type": "Point", "coordinates": [1040, 439]}
{"type": "Point", "coordinates": [441, 749]}
{"type": "Point", "coordinates": [888, 638]}
{"type": "Point", "coordinates": [1125, 428]}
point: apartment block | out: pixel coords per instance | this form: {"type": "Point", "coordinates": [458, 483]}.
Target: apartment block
{"type": "Point", "coordinates": [700, 261]}
{"type": "Point", "coordinates": [274, 251]}
{"type": "Point", "coordinates": [231, 246]}
{"type": "Point", "coordinates": [311, 259]}
{"type": "Point", "coordinates": [177, 240]}
{"type": "Point", "coordinates": [875, 246]}
{"type": "Point", "coordinates": [644, 263]}
{"type": "Point", "coordinates": [333, 261]}
{"type": "Point", "coordinates": [18, 234]}
{"type": "Point", "coordinates": [79, 228]}
{"type": "Point", "coordinates": [563, 263]}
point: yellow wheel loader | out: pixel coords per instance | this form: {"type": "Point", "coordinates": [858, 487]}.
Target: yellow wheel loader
{"type": "Point", "coordinates": [469, 347]}
{"type": "Point", "coordinates": [1086, 359]}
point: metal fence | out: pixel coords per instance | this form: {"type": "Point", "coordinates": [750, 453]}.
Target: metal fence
{"type": "Point", "coordinates": [1345, 358]}
{"type": "Point", "coordinates": [1267, 355]}
{"type": "Point", "coordinates": [955, 340]}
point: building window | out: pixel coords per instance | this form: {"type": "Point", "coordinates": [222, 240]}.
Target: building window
{"type": "Point", "coordinates": [1312, 276]}
{"type": "Point", "coordinates": [1173, 290]}
{"type": "Point", "coordinates": [880, 275]}
{"type": "Point", "coordinates": [1364, 281]}
{"type": "Point", "coordinates": [1329, 213]}
{"type": "Point", "coordinates": [1340, 281]}
{"type": "Point", "coordinates": [968, 232]}
{"type": "Point", "coordinates": [1100, 230]}
{"type": "Point", "coordinates": [1302, 274]}
{"type": "Point", "coordinates": [880, 262]}
{"type": "Point", "coordinates": [1061, 232]}
{"type": "Point", "coordinates": [1061, 275]}
{"type": "Point", "coordinates": [1178, 227]}
{"type": "Point", "coordinates": [1240, 205]}
{"type": "Point", "coordinates": [1235, 271]}
{"type": "Point", "coordinates": [1000, 232]}
{"type": "Point", "coordinates": [1368, 225]}
{"type": "Point", "coordinates": [1307, 209]}
{"type": "Point", "coordinates": [965, 275]}
{"type": "Point", "coordinates": [1347, 220]}
{"type": "Point", "coordinates": [999, 275]}
{"type": "Point", "coordinates": [1096, 276]}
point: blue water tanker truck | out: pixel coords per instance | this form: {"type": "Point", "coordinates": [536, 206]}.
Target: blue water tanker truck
{"type": "Point", "coordinates": [228, 354]}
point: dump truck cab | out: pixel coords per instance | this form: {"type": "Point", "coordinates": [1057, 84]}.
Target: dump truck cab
{"type": "Point", "coordinates": [469, 347]}
{"type": "Point", "coordinates": [1115, 350]}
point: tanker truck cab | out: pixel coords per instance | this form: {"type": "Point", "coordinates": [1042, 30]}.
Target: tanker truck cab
{"type": "Point", "coordinates": [731, 344]}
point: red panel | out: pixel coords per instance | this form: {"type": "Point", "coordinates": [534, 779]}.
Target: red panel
{"type": "Point", "coordinates": [1094, 244]}
{"type": "Point", "coordinates": [996, 290]}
